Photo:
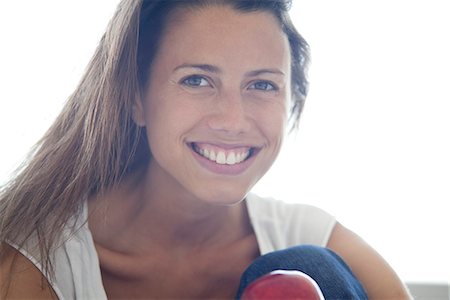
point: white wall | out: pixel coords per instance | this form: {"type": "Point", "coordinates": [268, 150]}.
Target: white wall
{"type": "Point", "coordinates": [374, 142]}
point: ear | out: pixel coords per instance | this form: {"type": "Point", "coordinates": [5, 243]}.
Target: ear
{"type": "Point", "coordinates": [138, 112]}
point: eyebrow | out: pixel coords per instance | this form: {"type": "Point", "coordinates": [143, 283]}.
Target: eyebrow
{"type": "Point", "coordinates": [262, 71]}
{"type": "Point", "coordinates": [217, 70]}
{"type": "Point", "coordinates": [203, 67]}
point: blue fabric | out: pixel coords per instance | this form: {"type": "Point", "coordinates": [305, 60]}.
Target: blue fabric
{"type": "Point", "coordinates": [331, 273]}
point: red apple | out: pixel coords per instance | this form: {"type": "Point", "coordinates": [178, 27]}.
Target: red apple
{"type": "Point", "coordinates": [283, 284]}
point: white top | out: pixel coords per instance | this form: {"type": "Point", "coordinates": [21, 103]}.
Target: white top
{"type": "Point", "coordinates": [277, 225]}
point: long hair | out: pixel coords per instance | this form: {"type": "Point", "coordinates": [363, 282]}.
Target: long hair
{"type": "Point", "coordinates": [94, 143]}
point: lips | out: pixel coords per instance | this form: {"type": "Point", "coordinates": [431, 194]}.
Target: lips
{"type": "Point", "coordinates": [223, 155]}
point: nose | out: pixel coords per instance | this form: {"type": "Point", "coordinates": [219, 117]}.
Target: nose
{"type": "Point", "coordinates": [229, 114]}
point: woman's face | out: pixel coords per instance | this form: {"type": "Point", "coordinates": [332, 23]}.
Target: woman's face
{"type": "Point", "coordinates": [216, 105]}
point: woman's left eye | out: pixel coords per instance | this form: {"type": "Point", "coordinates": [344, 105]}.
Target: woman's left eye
{"type": "Point", "coordinates": [195, 81]}
{"type": "Point", "coordinates": [263, 86]}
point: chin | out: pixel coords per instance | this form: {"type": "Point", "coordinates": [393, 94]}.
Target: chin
{"type": "Point", "coordinates": [222, 190]}
{"type": "Point", "coordinates": [225, 198]}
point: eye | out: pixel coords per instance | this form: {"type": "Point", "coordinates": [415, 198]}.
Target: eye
{"type": "Point", "coordinates": [263, 86]}
{"type": "Point", "coordinates": [195, 81]}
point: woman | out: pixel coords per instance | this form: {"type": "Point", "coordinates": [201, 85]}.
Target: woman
{"type": "Point", "coordinates": [140, 189]}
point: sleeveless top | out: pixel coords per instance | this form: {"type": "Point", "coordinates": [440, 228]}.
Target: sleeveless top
{"type": "Point", "coordinates": [277, 225]}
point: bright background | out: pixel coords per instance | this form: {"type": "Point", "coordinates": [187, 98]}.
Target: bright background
{"type": "Point", "coordinates": [374, 142]}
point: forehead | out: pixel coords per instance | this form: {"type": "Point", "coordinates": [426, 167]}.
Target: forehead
{"type": "Point", "coordinates": [216, 15]}
{"type": "Point", "coordinates": [221, 31]}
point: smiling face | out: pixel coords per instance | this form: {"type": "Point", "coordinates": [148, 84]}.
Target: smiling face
{"type": "Point", "coordinates": [216, 104]}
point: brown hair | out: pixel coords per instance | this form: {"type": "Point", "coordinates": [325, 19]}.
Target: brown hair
{"type": "Point", "coordinates": [94, 142]}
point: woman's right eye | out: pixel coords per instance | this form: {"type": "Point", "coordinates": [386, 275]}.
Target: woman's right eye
{"type": "Point", "coordinates": [195, 81]}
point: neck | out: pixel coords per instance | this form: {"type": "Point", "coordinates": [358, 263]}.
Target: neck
{"type": "Point", "coordinates": [145, 212]}
{"type": "Point", "coordinates": [200, 226]}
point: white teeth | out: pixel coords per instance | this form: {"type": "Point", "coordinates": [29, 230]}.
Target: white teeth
{"type": "Point", "coordinates": [221, 158]}
{"type": "Point", "coordinates": [231, 159]}
{"type": "Point", "coordinates": [212, 155]}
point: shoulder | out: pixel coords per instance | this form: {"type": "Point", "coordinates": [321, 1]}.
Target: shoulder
{"type": "Point", "coordinates": [20, 279]}
{"type": "Point", "coordinates": [272, 208]}
{"type": "Point", "coordinates": [76, 270]}
{"type": "Point", "coordinates": [377, 277]}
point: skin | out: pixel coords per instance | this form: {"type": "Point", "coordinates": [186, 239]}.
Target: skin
{"type": "Point", "coordinates": [183, 231]}
{"type": "Point", "coordinates": [26, 280]}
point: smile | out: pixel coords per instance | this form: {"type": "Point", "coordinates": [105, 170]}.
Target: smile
{"type": "Point", "coordinates": [222, 156]}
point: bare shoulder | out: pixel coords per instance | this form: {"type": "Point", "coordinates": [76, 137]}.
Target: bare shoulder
{"type": "Point", "coordinates": [20, 279]}
{"type": "Point", "coordinates": [377, 277]}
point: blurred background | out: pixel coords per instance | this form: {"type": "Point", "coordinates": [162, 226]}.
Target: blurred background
{"type": "Point", "coordinates": [373, 147]}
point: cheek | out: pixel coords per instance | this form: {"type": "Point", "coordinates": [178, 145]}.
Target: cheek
{"type": "Point", "coordinates": [158, 123]}
{"type": "Point", "coordinates": [168, 121]}
{"type": "Point", "coordinates": [272, 118]}
{"type": "Point", "coordinates": [275, 128]}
